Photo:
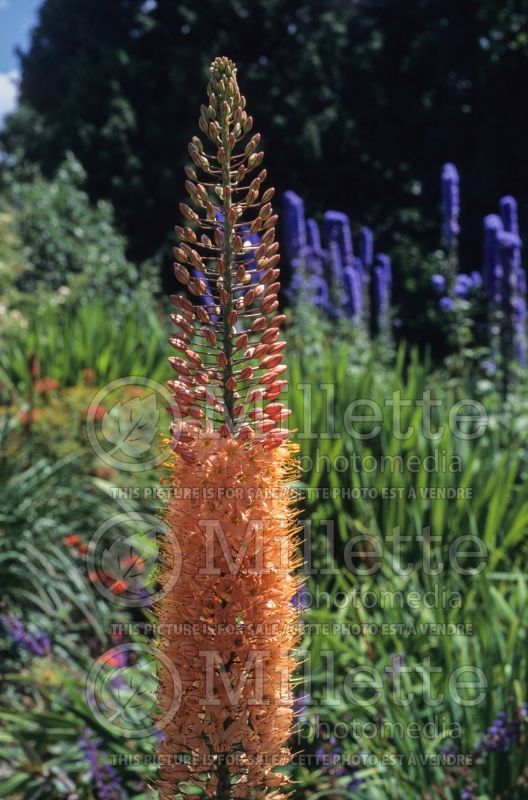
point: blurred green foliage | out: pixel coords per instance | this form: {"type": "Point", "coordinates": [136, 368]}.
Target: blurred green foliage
{"type": "Point", "coordinates": [43, 699]}
{"type": "Point", "coordinates": [390, 491]}
{"type": "Point", "coordinates": [56, 488]}
{"type": "Point", "coordinates": [69, 339]}
{"type": "Point", "coordinates": [68, 244]}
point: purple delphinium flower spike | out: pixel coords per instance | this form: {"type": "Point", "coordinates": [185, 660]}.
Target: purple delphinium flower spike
{"type": "Point", "coordinates": [492, 261]}
{"type": "Point", "coordinates": [337, 229]}
{"type": "Point", "coordinates": [520, 347]}
{"type": "Point", "coordinates": [510, 220]}
{"type": "Point", "coordinates": [463, 285]}
{"type": "Point", "coordinates": [335, 269]}
{"type": "Point", "coordinates": [446, 304]}
{"type": "Point", "coordinates": [476, 279]}
{"type": "Point", "coordinates": [366, 247]}
{"type": "Point", "coordinates": [513, 300]}
{"type": "Point", "coordinates": [36, 643]}
{"type": "Point", "coordinates": [509, 215]}
{"type": "Point", "coordinates": [294, 226]}
{"type": "Point", "coordinates": [315, 256]}
{"type": "Point", "coordinates": [450, 203]}
{"type": "Point", "coordinates": [350, 273]}
{"type": "Point", "coordinates": [381, 290]}
{"type": "Point", "coordinates": [313, 237]}
{"type": "Point", "coordinates": [439, 282]}
{"type": "Point", "coordinates": [321, 296]}
{"type": "Point", "coordinates": [102, 773]}
{"type": "Point", "coordinates": [500, 734]}
{"type": "Point", "coordinates": [304, 253]}
{"type": "Point", "coordinates": [354, 292]}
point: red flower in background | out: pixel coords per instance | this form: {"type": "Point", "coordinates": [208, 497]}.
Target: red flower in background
{"type": "Point", "coordinates": [46, 385]}
{"type": "Point", "coordinates": [118, 586]}
{"type": "Point", "coordinates": [95, 413]}
{"type": "Point", "coordinates": [27, 418]}
{"type": "Point", "coordinates": [113, 659]}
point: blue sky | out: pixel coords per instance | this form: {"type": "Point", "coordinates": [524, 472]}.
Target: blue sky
{"type": "Point", "coordinates": [16, 20]}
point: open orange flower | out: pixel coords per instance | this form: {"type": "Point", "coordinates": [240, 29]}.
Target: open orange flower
{"type": "Point", "coordinates": [228, 622]}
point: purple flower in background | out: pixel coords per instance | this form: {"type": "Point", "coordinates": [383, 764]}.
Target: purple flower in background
{"type": "Point", "coordinates": [354, 292]}
{"type": "Point", "coordinates": [301, 705]}
{"type": "Point", "coordinates": [463, 285]}
{"type": "Point", "coordinates": [500, 735]}
{"type": "Point", "coordinates": [381, 290]}
{"type": "Point", "coordinates": [337, 229]}
{"type": "Point", "coordinates": [301, 599]}
{"type": "Point", "coordinates": [294, 226]}
{"type": "Point", "coordinates": [102, 773]}
{"type": "Point", "coordinates": [329, 757]}
{"type": "Point", "coordinates": [446, 304]}
{"type": "Point", "coordinates": [321, 293]}
{"type": "Point", "coordinates": [366, 247]}
{"type": "Point", "coordinates": [439, 282]}
{"type": "Point", "coordinates": [513, 299]}
{"type": "Point", "coordinates": [450, 203]}
{"type": "Point", "coordinates": [314, 252]}
{"type": "Point", "coordinates": [509, 215]}
{"type": "Point", "coordinates": [492, 261]}
{"type": "Point", "coordinates": [450, 751]}
{"type": "Point", "coordinates": [303, 249]}
{"type": "Point", "coordinates": [489, 368]}
{"type": "Point", "coordinates": [313, 237]}
{"type": "Point", "coordinates": [476, 278]}
{"type": "Point", "coordinates": [521, 281]}
{"type": "Point", "coordinates": [354, 783]}
{"type": "Point", "coordinates": [36, 643]}
{"type": "Point", "coordinates": [469, 792]}
{"type": "Point", "coordinates": [335, 266]}
{"type": "Point", "coordinates": [345, 269]}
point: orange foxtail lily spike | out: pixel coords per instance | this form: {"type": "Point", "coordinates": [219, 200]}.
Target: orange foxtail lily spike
{"type": "Point", "coordinates": [228, 623]}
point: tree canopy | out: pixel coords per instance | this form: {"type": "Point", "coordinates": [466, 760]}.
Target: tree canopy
{"type": "Point", "coordinates": [359, 102]}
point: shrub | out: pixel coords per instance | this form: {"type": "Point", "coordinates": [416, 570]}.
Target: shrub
{"type": "Point", "coordinates": [67, 241]}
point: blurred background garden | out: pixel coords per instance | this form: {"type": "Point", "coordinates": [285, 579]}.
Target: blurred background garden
{"type": "Point", "coordinates": [395, 135]}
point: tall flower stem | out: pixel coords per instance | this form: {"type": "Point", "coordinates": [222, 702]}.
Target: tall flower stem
{"type": "Point", "coordinates": [227, 621]}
